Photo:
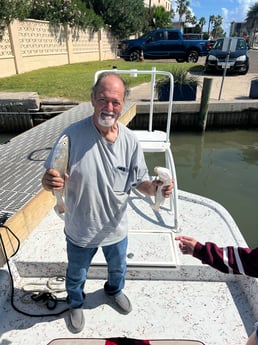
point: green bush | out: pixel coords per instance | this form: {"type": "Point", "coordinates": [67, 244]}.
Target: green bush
{"type": "Point", "coordinates": [13, 9]}
{"type": "Point", "coordinates": [68, 12]}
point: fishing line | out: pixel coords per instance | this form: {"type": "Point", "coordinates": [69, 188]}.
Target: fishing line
{"type": "Point", "coordinates": [45, 297]}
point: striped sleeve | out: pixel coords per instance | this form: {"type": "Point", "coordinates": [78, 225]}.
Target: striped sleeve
{"type": "Point", "coordinates": [234, 260]}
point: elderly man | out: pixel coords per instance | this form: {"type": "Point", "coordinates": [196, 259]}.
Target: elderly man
{"type": "Point", "coordinates": [105, 162]}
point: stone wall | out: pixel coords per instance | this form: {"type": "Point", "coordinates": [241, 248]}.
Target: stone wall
{"type": "Point", "coordinates": [34, 44]}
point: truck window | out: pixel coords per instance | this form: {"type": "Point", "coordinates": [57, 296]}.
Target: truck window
{"type": "Point", "coordinates": [173, 35]}
{"type": "Point", "coordinates": [158, 36]}
{"type": "Point", "coordinates": [192, 36]}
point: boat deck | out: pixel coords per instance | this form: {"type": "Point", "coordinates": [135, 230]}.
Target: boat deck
{"type": "Point", "coordinates": [173, 296]}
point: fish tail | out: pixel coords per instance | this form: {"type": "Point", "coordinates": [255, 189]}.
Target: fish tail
{"type": "Point", "coordinates": [60, 211]}
{"type": "Point", "coordinates": [155, 207]}
{"type": "Point", "coordinates": [60, 208]}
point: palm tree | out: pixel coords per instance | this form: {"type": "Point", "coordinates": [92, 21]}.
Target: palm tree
{"type": "Point", "coordinates": [252, 21]}
{"type": "Point", "coordinates": [182, 8]}
{"type": "Point", "coordinates": [189, 18]}
{"type": "Point", "coordinates": [211, 21]}
{"type": "Point", "coordinates": [160, 17]}
{"type": "Point", "coordinates": [217, 30]}
{"type": "Point", "coordinates": [202, 22]}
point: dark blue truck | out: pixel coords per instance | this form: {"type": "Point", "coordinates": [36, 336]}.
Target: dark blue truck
{"type": "Point", "coordinates": [163, 44]}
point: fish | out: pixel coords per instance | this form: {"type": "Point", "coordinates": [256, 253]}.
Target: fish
{"type": "Point", "coordinates": [164, 175]}
{"type": "Point", "coordinates": [59, 162]}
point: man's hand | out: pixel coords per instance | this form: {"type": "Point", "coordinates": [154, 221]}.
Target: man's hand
{"type": "Point", "coordinates": [167, 190]}
{"type": "Point", "coordinates": [52, 180]}
{"type": "Point", "coordinates": [150, 188]}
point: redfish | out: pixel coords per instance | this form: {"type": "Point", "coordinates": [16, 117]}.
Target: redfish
{"type": "Point", "coordinates": [164, 175]}
{"type": "Point", "coordinates": [59, 162]}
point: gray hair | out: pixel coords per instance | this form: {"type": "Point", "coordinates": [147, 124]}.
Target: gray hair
{"type": "Point", "coordinates": [103, 76]}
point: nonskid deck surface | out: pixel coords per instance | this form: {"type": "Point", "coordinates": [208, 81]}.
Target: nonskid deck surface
{"type": "Point", "coordinates": [189, 301]}
{"type": "Point", "coordinates": [205, 311]}
{"type": "Point", "coordinates": [152, 248]}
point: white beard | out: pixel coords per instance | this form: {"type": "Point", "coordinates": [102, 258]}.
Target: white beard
{"type": "Point", "coordinates": [106, 119]}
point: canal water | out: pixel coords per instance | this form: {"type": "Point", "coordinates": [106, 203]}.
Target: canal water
{"type": "Point", "coordinates": [221, 165]}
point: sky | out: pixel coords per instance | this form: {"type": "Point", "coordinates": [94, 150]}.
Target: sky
{"type": "Point", "coordinates": [230, 10]}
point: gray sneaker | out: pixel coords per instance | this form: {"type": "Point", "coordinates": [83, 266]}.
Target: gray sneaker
{"type": "Point", "coordinates": [121, 301]}
{"type": "Point", "coordinates": [76, 320]}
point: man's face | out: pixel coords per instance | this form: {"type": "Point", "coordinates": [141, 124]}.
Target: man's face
{"type": "Point", "coordinates": [108, 101]}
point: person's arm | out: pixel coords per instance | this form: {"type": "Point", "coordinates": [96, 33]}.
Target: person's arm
{"type": "Point", "coordinates": [236, 260]}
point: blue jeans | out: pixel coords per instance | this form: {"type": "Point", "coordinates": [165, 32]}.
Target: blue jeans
{"type": "Point", "coordinates": [79, 260]}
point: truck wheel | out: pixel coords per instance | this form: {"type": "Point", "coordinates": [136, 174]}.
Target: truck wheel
{"type": "Point", "coordinates": [180, 60]}
{"type": "Point", "coordinates": [192, 56]}
{"type": "Point", "coordinates": [135, 55]}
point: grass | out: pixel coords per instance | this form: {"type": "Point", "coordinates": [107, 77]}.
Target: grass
{"type": "Point", "coordinates": [74, 81]}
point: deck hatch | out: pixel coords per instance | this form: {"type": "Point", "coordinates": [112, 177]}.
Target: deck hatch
{"type": "Point", "coordinates": [147, 249]}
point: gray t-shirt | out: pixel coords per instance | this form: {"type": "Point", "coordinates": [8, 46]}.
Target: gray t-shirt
{"type": "Point", "coordinates": [101, 175]}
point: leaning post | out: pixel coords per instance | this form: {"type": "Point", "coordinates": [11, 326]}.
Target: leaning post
{"type": "Point", "coordinates": [206, 90]}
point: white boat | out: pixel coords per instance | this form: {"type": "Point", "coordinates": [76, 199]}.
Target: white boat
{"type": "Point", "coordinates": [174, 297]}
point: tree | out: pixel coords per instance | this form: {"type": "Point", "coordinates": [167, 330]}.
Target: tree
{"type": "Point", "coordinates": [160, 17]}
{"type": "Point", "coordinates": [252, 21]}
{"type": "Point", "coordinates": [15, 9]}
{"type": "Point", "coordinates": [147, 21]}
{"type": "Point", "coordinates": [123, 17]}
{"type": "Point", "coordinates": [189, 18]}
{"type": "Point", "coordinates": [211, 20]}
{"type": "Point", "coordinates": [202, 22]}
{"type": "Point", "coordinates": [69, 12]}
{"type": "Point", "coordinates": [182, 8]}
{"type": "Point", "coordinates": [217, 30]}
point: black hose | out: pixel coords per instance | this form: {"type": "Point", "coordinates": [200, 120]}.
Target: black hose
{"type": "Point", "coordinates": [50, 298]}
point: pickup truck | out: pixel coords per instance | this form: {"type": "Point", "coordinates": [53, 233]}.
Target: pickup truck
{"type": "Point", "coordinates": [163, 44]}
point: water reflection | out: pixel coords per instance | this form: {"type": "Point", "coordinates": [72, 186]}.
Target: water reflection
{"type": "Point", "coordinates": [222, 166]}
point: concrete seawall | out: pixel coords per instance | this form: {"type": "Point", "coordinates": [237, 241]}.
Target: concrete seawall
{"type": "Point", "coordinates": [185, 115]}
{"type": "Point", "coordinates": [229, 105]}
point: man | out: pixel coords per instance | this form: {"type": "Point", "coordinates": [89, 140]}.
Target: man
{"type": "Point", "coordinates": [105, 162]}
